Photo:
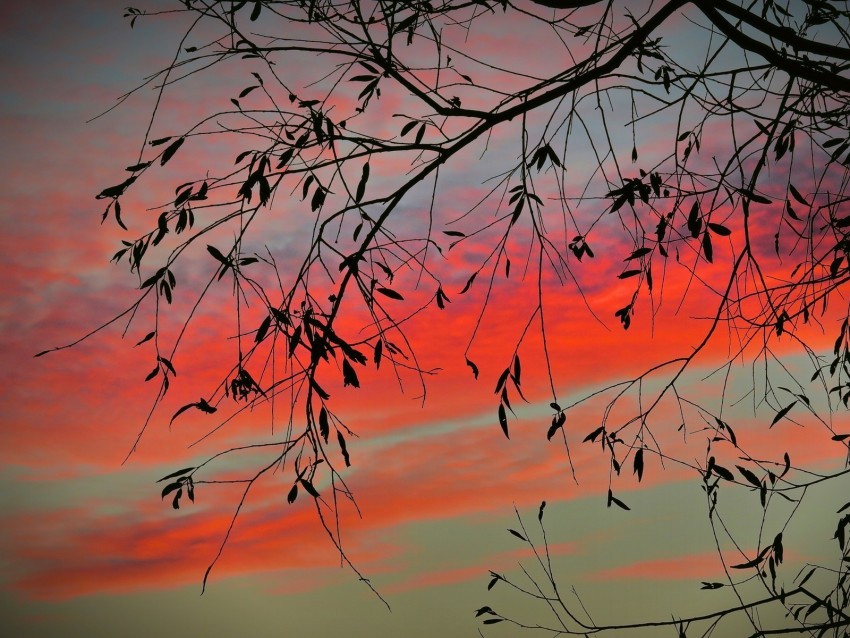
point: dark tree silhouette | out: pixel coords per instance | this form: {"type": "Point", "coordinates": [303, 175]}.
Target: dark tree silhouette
{"type": "Point", "coordinates": [698, 141]}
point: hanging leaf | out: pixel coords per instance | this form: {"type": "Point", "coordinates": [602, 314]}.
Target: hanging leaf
{"type": "Point", "coordinates": [707, 250]}
{"type": "Point", "coordinates": [557, 423]}
{"type": "Point", "coordinates": [518, 535]}
{"type": "Point", "coordinates": [796, 195]}
{"type": "Point", "coordinates": [613, 499]}
{"type": "Point", "coordinates": [388, 292]}
{"type": "Point", "coordinates": [361, 186]}
{"type": "Point", "coordinates": [468, 283]}
{"type": "Point", "coordinates": [638, 464]}
{"type": "Point", "coordinates": [349, 376]}
{"type": "Point", "coordinates": [263, 329]}
{"type": "Point", "coordinates": [747, 474]}
{"type": "Point", "coordinates": [343, 448]}
{"type": "Point", "coordinates": [379, 349]}
{"type": "Point", "coordinates": [503, 420]}
{"type": "Point", "coordinates": [307, 485]}
{"type": "Point", "coordinates": [719, 229]}
{"type": "Point", "coordinates": [169, 152]}
{"type": "Point", "coordinates": [185, 470]}
{"type": "Point", "coordinates": [324, 426]}
{"type": "Point", "coordinates": [293, 494]}
{"type": "Point", "coordinates": [782, 413]}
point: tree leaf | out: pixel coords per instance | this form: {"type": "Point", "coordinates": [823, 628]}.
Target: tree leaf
{"type": "Point", "coordinates": [361, 186]}
{"type": "Point", "coordinates": [638, 464]}
{"type": "Point", "coordinates": [169, 152]}
{"type": "Point", "coordinates": [307, 485]}
{"type": "Point", "coordinates": [147, 337]}
{"type": "Point", "coordinates": [324, 425]}
{"type": "Point", "coordinates": [185, 470]}
{"type": "Point", "coordinates": [557, 423]}
{"type": "Point", "coordinates": [719, 229]}
{"type": "Point", "coordinates": [518, 535]}
{"type": "Point", "coordinates": [782, 413]}
{"type": "Point", "coordinates": [263, 329]}
{"type": "Point", "coordinates": [747, 474]}
{"type": "Point", "coordinates": [796, 195]}
{"type": "Point", "coordinates": [343, 448]}
{"type": "Point", "coordinates": [503, 420]}
{"type": "Point", "coordinates": [349, 376]}
{"type": "Point", "coordinates": [389, 292]}
{"type": "Point", "coordinates": [707, 250]}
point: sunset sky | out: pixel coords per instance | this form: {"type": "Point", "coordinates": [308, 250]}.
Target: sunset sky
{"type": "Point", "coordinates": [87, 546]}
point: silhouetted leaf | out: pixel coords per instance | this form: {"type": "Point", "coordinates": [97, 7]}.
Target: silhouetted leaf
{"type": "Point", "coordinates": [707, 250]}
{"type": "Point", "coordinates": [307, 485]}
{"type": "Point", "coordinates": [638, 464]}
{"type": "Point", "coordinates": [343, 448]}
{"type": "Point", "coordinates": [723, 472]}
{"type": "Point", "coordinates": [503, 420]}
{"type": "Point", "coordinates": [349, 376]}
{"type": "Point", "coordinates": [263, 329]}
{"type": "Point", "coordinates": [719, 229]}
{"type": "Point", "coordinates": [473, 367]}
{"type": "Point", "coordinates": [379, 349]}
{"type": "Point", "coordinates": [361, 186]}
{"type": "Point", "coordinates": [147, 337]}
{"type": "Point", "coordinates": [117, 190]}
{"type": "Point", "coordinates": [518, 535]}
{"type": "Point", "coordinates": [293, 494]}
{"type": "Point", "coordinates": [613, 499]}
{"type": "Point", "coordinates": [557, 423]}
{"type": "Point", "coordinates": [216, 253]}
{"type": "Point", "coordinates": [171, 487]}
{"type": "Point", "coordinates": [169, 152]}
{"type": "Point", "coordinates": [408, 127]}
{"type": "Point", "coordinates": [754, 197]}
{"type": "Point", "coordinates": [185, 470]}
{"type": "Point", "coordinates": [640, 252]}
{"type": "Point", "coordinates": [468, 283]}
{"type": "Point", "coordinates": [747, 474]}
{"type": "Point", "coordinates": [796, 195]}
{"type": "Point", "coordinates": [782, 413]}
{"type": "Point", "coordinates": [732, 438]}
{"type": "Point", "coordinates": [324, 426]}
{"type": "Point", "coordinates": [540, 511]}
{"type": "Point", "coordinates": [318, 199]}
{"type": "Point", "coordinates": [388, 292]}
{"type": "Point", "coordinates": [167, 364]}
{"type": "Point", "coordinates": [592, 436]}
{"type": "Point", "coordinates": [778, 551]}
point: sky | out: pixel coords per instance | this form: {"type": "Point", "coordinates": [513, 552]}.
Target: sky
{"type": "Point", "coordinates": [88, 547]}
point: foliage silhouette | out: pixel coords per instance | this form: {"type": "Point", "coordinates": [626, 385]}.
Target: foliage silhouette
{"type": "Point", "coordinates": [720, 161]}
